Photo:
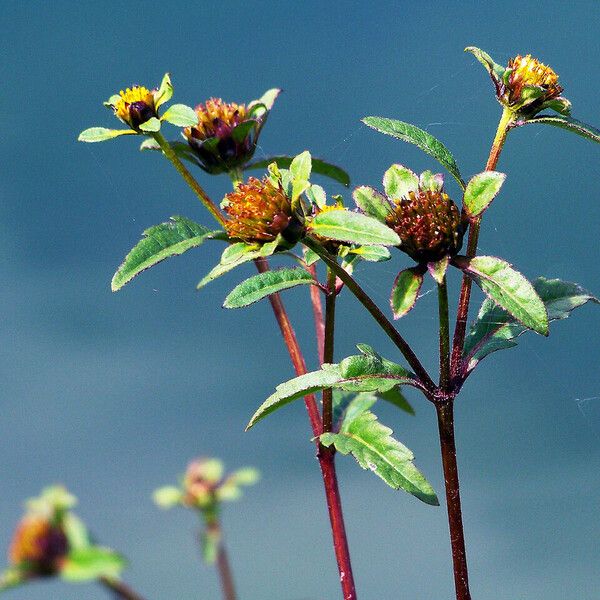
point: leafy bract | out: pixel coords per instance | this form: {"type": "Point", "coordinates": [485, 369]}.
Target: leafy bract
{"type": "Point", "coordinates": [160, 242]}
{"type": "Point", "coordinates": [372, 203]}
{"type": "Point", "coordinates": [495, 329]}
{"type": "Point", "coordinates": [352, 227]}
{"type": "Point", "coordinates": [366, 372]}
{"type": "Point", "coordinates": [568, 123]}
{"type": "Point", "coordinates": [264, 284]}
{"type": "Point", "coordinates": [405, 291]}
{"type": "Point", "coordinates": [319, 166]}
{"type": "Point", "coordinates": [181, 115]}
{"type": "Point", "coordinates": [86, 564]}
{"type": "Point", "coordinates": [481, 190]}
{"type": "Point", "coordinates": [372, 445]}
{"type": "Point", "coordinates": [398, 181]}
{"type": "Point", "coordinates": [101, 134]}
{"type": "Point", "coordinates": [508, 288]}
{"type": "Point", "coordinates": [413, 135]}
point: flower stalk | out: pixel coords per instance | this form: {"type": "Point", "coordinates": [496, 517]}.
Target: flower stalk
{"type": "Point", "coordinates": [120, 589]}
{"type": "Point", "coordinates": [444, 335]}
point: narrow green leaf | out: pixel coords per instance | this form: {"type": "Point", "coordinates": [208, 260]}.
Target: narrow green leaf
{"type": "Point", "coordinates": [372, 445]}
{"type": "Point", "coordinates": [495, 70]}
{"type": "Point", "coordinates": [398, 181]}
{"type": "Point", "coordinates": [354, 228]}
{"type": "Point", "coordinates": [568, 123]}
{"type": "Point", "coordinates": [301, 166]}
{"type": "Point", "coordinates": [371, 253]}
{"type": "Point", "coordinates": [367, 372]}
{"type": "Point", "coordinates": [481, 190]}
{"type": "Point", "coordinates": [508, 288]}
{"type": "Point", "coordinates": [371, 202]}
{"type": "Point", "coordinates": [413, 135]}
{"type": "Point", "coordinates": [160, 242]}
{"type": "Point", "coordinates": [101, 134]}
{"type": "Point", "coordinates": [165, 91]}
{"type": "Point", "coordinates": [151, 125]}
{"type": "Point", "coordinates": [181, 116]}
{"type": "Point", "coordinates": [264, 284]}
{"type": "Point", "coordinates": [233, 256]}
{"type": "Point", "coordinates": [495, 329]}
{"type": "Point", "coordinates": [87, 564]}
{"type": "Point", "coordinates": [319, 166]}
{"type": "Point", "coordinates": [405, 291]}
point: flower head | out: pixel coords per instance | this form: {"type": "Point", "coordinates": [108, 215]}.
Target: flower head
{"type": "Point", "coordinates": [525, 86]}
{"type": "Point", "coordinates": [429, 225]}
{"type": "Point", "coordinates": [259, 211]}
{"type": "Point", "coordinates": [226, 134]}
{"type": "Point", "coordinates": [38, 546]}
{"type": "Point", "coordinates": [135, 106]}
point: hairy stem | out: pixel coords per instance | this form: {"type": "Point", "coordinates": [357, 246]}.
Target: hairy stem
{"type": "Point", "coordinates": [375, 312]}
{"type": "Point", "coordinates": [187, 176]}
{"type": "Point", "coordinates": [445, 415]}
{"type": "Point", "coordinates": [119, 589]}
{"type": "Point", "coordinates": [317, 306]}
{"type": "Point", "coordinates": [444, 335]}
{"type": "Point", "coordinates": [465, 292]}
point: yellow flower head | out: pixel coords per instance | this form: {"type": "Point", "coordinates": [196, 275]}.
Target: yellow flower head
{"type": "Point", "coordinates": [259, 211]}
{"type": "Point", "coordinates": [135, 106]}
{"type": "Point", "coordinates": [526, 71]}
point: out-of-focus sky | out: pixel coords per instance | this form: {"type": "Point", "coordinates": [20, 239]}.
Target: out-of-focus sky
{"type": "Point", "coordinates": [112, 394]}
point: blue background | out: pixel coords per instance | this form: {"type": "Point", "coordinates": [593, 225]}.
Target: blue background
{"type": "Point", "coordinates": [112, 394]}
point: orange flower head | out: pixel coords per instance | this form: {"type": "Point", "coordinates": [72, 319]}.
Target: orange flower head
{"type": "Point", "coordinates": [526, 71]}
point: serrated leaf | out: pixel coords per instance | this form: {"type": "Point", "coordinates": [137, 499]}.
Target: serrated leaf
{"type": "Point", "coordinates": [354, 228]}
{"type": "Point", "coordinates": [495, 329]}
{"type": "Point", "coordinates": [367, 372]}
{"type": "Point", "coordinates": [481, 190]}
{"type": "Point", "coordinates": [398, 181]}
{"type": "Point", "coordinates": [372, 203]}
{"type": "Point", "coordinates": [233, 256]}
{"type": "Point", "coordinates": [160, 242]}
{"type": "Point", "coordinates": [413, 135]}
{"type": "Point", "coordinates": [319, 166]}
{"type": "Point", "coordinates": [264, 284]}
{"type": "Point", "coordinates": [181, 115]}
{"type": "Point", "coordinates": [508, 288]}
{"type": "Point", "coordinates": [101, 134]}
{"type": "Point", "coordinates": [372, 445]}
{"type": "Point", "coordinates": [405, 291]}
{"type": "Point", "coordinates": [87, 564]}
{"type": "Point", "coordinates": [568, 123]}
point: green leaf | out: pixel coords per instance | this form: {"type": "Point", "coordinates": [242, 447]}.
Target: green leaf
{"type": "Point", "coordinates": [267, 99]}
{"type": "Point", "coordinates": [372, 445]}
{"type": "Point", "coordinates": [319, 166]}
{"type": "Point", "coordinates": [151, 125]}
{"type": "Point", "coordinates": [182, 149]}
{"type": "Point", "coordinates": [508, 288]}
{"type": "Point", "coordinates": [101, 134]}
{"type": "Point", "coordinates": [167, 496]}
{"type": "Point", "coordinates": [355, 228]}
{"type": "Point", "coordinates": [372, 203]}
{"type": "Point", "coordinates": [405, 291]}
{"type": "Point", "coordinates": [86, 564]}
{"type": "Point", "coordinates": [165, 91]}
{"type": "Point", "coordinates": [495, 329]}
{"type": "Point", "coordinates": [438, 269]}
{"type": "Point", "coordinates": [371, 253]}
{"type": "Point", "coordinates": [495, 70]}
{"type": "Point", "coordinates": [396, 397]}
{"type": "Point", "coordinates": [160, 242]}
{"type": "Point", "coordinates": [12, 577]}
{"type": "Point", "coordinates": [413, 135]}
{"type": "Point", "coordinates": [481, 190]}
{"type": "Point", "coordinates": [300, 167]}
{"type": "Point", "coordinates": [431, 181]}
{"type": "Point", "coordinates": [181, 116]}
{"type": "Point", "coordinates": [245, 476]}
{"type": "Point", "coordinates": [76, 531]}
{"type": "Point", "coordinates": [568, 123]}
{"type": "Point", "coordinates": [264, 284]}
{"type": "Point", "coordinates": [367, 372]}
{"type": "Point", "coordinates": [398, 181]}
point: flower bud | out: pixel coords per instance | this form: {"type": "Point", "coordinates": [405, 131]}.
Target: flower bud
{"type": "Point", "coordinates": [135, 106]}
{"type": "Point", "coordinates": [429, 225]}
{"type": "Point", "coordinates": [259, 211]}
{"type": "Point", "coordinates": [38, 546]}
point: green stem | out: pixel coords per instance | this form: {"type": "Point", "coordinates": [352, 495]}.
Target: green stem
{"type": "Point", "coordinates": [506, 122]}
{"type": "Point", "coordinates": [444, 335]}
{"type": "Point", "coordinates": [187, 176]}
{"type": "Point", "coordinates": [375, 312]}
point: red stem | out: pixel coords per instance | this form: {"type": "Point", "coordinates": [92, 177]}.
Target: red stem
{"type": "Point", "coordinates": [120, 589]}
{"type": "Point", "coordinates": [317, 305]}
{"type": "Point", "coordinates": [445, 414]}
{"type": "Point", "coordinates": [325, 455]}
{"type": "Point", "coordinates": [225, 573]}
